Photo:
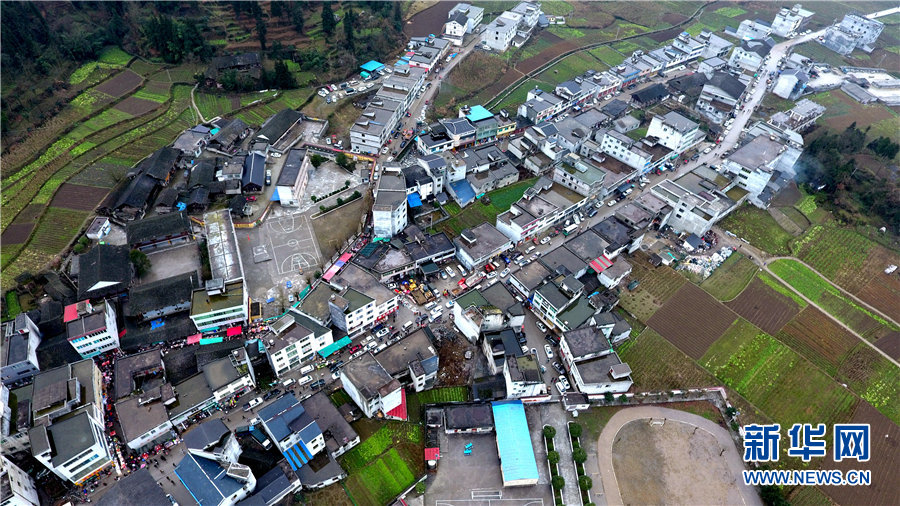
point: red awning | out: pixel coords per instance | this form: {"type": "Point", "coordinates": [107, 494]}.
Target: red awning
{"type": "Point", "coordinates": [432, 453]}
{"type": "Point", "coordinates": [194, 339]}
{"type": "Point", "coordinates": [234, 331]}
{"type": "Point", "coordinates": [400, 410]}
{"type": "Point", "coordinates": [600, 264]}
{"type": "Point", "coordinates": [70, 312]}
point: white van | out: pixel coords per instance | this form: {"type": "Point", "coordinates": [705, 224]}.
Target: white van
{"type": "Point", "coordinates": [430, 306]}
{"type": "Point", "coordinates": [407, 326]}
{"type": "Point", "coordinates": [307, 369]}
{"type": "Point", "coordinates": [462, 271]}
{"type": "Point", "coordinates": [288, 382]}
{"type": "Point", "coordinates": [305, 380]}
{"type": "Point", "coordinates": [529, 250]}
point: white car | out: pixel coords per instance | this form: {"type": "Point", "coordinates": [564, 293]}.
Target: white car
{"type": "Point", "coordinates": [384, 150]}
{"type": "Point", "coordinates": [541, 327]}
{"type": "Point", "coordinates": [706, 151]}
{"type": "Point", "coordinates": [561, 388]}
{"type": "Point", "coordinates": [545, 240]}
{"type": "Point", "coordinates": [450, 304]}
{"type": "Point", "coordinates": [548, 351]}
{"type": "Point", "coordinates": [492, 275]}
{"type": "Point", "coordinates": [611, 203]}
{"type": "Point", "coordinates": [504, 273]}
{"type": "Point", "coordinates": [565, 381]}
{"type": "Point", "coordinates": [382, 333]}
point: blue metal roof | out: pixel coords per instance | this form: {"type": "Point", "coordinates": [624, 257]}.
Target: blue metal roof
{"type": "Point", "coordinates": [205, 480]}
{"type": "Point", "coordinates": [278, 416]}
{"type": "Point", "coordinates": [514, 441]}
{"type": "Point", "coordinates": [297, 455]}
{"type": "Point", "coordinates": [371, 66]}
{"type": "Point", "coordinates": [463, 190]}
{"type": "Point", "coordinates": [478, 113]}
{"type": "Point", "coordinates": [414, 199]}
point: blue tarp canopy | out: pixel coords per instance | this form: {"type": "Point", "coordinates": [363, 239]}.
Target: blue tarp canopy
{"type": "Point", "coordinates": [335, 346]}
{"type": "Point", "coordinates": [414, 199]}
{"type": "Point", "coordinates": [371, 66]}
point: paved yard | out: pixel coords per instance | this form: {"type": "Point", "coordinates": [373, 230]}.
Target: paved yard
{"type": "Point", "coordinates": [475, 480]}
{"type": "Point", "coordinates": [172, 262]}
{"type": "Point", "coordinates": [326, 179]}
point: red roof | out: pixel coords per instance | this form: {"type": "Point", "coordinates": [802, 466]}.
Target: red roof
{"type": "Point", "coordinates": [400, 411]}
{"type": "Point", "coordinates": [71, 312]}
{"type": "Point", "coordinates": [432, 453]}
{"type": "Point", "coordinates": [600, 264]}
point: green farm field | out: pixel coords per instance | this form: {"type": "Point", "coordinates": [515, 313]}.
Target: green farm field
{"type": "Point", "coordinates": [657, 285]}
{"type": "Point", "coordinates": [661, 365]}
{"type": "Point", "coordinates": [776, 379]}
{"type": "Point", "coordinates": [730, 278]}
{"type": "Point", "coordinates": [837, 304]}
{"type": "Point", "coordinates": [757, 226]}
{"type": "Point", "coordinates": [386, 463]}
{"type": "Point", "coordinates": [477, 213]}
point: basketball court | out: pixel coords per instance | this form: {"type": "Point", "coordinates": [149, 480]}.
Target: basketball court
{"type": "Point", "coordinates": [291, 243]}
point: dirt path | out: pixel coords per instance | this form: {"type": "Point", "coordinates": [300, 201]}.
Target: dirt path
{"type": "Point", "coordinates": [730, 478]}
{"type": "Point", "coordinates": [194, 104]}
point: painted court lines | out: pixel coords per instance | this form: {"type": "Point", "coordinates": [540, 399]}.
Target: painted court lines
{"type": "Point", "coordinates": [292, 243]}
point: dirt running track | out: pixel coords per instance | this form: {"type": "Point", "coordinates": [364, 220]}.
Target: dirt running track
{"type": "Point", "coordinates": [687, 468]}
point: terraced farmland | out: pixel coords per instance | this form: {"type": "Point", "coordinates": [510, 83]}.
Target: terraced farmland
{"type": "Point", "coordinates": [660, 365]}
{"type": "Point", "coordinates": [874, 378]}
{"type": "Point", "coordinates": [657, 285]}
{"type": "Point", "coordinates": [727, 281]}
{"type": "Point", "coordinates": [815, 336]}
{"type": "Point", "coordinates": [764, 307]}
{"type": "Point", "coordinates": [692, 320]}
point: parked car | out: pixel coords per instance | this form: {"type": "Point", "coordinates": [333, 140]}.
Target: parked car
{"type": "Point", "coordinates": [558, 367]}
{"type": "Point", "coordinates": [269, 177]}
{"type": "Point", "coordinates": [565, 382]}
{"type": "Point", "coordinates": [381, 333]}
{"type": "Point", "coordinates": [545, 240]}
{"type": "Point", "coordinates": [611, 203]}
{"type": "Point", "coordinates": [450, 304]}
{"type": "Point", "coordinates": [562, 389]}
{"type": "Point", "coordinates": [549, 351]}
{"type": "Point", "coordinates": [252, 404]}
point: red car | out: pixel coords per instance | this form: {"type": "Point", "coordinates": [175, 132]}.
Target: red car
{"type": "Point", "coordinates": [252, 198]}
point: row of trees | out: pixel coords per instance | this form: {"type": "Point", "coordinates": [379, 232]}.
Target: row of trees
{"type": "Point", "coordinates": [175, 40]}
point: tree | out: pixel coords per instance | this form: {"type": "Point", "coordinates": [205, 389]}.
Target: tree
{"type": "Point", "coordinates": [579, 455]}
{"type": "Point", "coordinates": [283, 77]}
{"type": "Point", "coordinates": [276, 9]}
{"type": "Point", "coordinates": [575, 430]}
{"type": "Point", "coordinates": [348, 30]}
{"type": "Point", "coordinates": [609, 397]}
{"type": "Point", "coordinates": [327, 19]}
{"type": "Point", "coordinates": [585, 483]}
{"type": "Point", "coordinates": [549, 432]}
{"type": "Point", "coordinates": [297, 16]}
{"type": "Point", "coordinates": [344, 161]}
{"type": "Point", "coordinates": [730, 411]}
{"type": "Point", "coordinates": [558, 482]}
{"type": "Point", "coordinates": [553, 457]}
{"type": "Point", "coordinates": [141, 262]}
{"type": "Point", "coordinates": [420, 487]}
{"type": "Point", "coordinates": [261, 31]}
{"type": "Point", "coordinates": [397, 16]}
{"type": "Point", "coordinates": [623, 398]}
{"type": "Point", "coordinates": [316, 160]}
{"type": "Point", "coordinates": [771, 495]}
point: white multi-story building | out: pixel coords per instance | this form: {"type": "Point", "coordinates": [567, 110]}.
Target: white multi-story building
{"type": "Point", "coordinates": [626, 150]}
{"type": "Point", "coordinates": [475, 246]}
{"type": "Point", "coordinates": [594, 367]}
{"type": "Point", "coordinates": [698, 201]}
{"type": "Point", "coordinates": [790, 20]}
{"type": "Point", "coordinates": [720, 96]}
{"type": "Point", "coordinates": [462, 19]}
{"type": "Point", "coordinates": [361, 301]}
{"type": "Point", "coordinates": [402, 85]}
{"type": "Point", "coordinates": [552, 299]}
{"type": "Point", "coordinates": [296, 339]}
{"type": "Point", "coordinates": [73, 448]}
{"type": "Point", "coordinates": [18, 488]}
{"type": "Point", "coordinates": [21, 339]}
{"type": "Point", "coordinates": [499, 33]}
{"type": "Point", "coordinates": [675, 132]}
{"type": "Point", "coordinates": [389, 213]}
{"type": "Point", "coordinates": [230, 376]}
{"type": "Point", "coordinates": [750, 29]}
{"type": "Point", "coordinates": [373, 127]}
{"type": "Point", "coordinates": [373, 389]}
{"type": "Point", "coordinates": [92, 330]}
{"type": "Point", "coordinates": [539, 208]}
{"type": "Point", "coordinates": [754, 164]}
{"type": "Point", "coordinates": [751, 54]}
{"type": "Point", "coordinates": [522, 376]}
{"type": "Point", "coordinates": [219, 305]}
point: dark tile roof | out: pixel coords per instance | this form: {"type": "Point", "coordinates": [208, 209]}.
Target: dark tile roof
{"type": "Point", "coordinates": [157, 227]}
{"type": "Point", "coordinates": [137, 489]}
{"type": "Point", "coordinates": [104, 263]}
{"type": "Point", "coordinates": [202, 173]}
{"type": "Point", "coordinates": [198, 198]}
{"type": "Point", "coordinates": [469, 416]}
{"type": "Point", "coordinates": [167, 197]}
{"type": "Point", "coordinates": [727, 83]}
{"type": "Point", "coordinates": [161, 293]}
{"type": "Point", "coordinates": [161, 163]}
{"type": "Point", "coordinates": [137, 193]}
{"type": "Point", "coordinates": [205, 434]}
{"type": "Point", "coordinates": [174, 327]}
{"type": "Point", "coordinates": [650, 94]}
{"type": "Point", "coordinates": [291, 169]}
{"type": "Point", "coordinates": [254, 170]}
{"type": "Point", "coordinates": [277, 125]}
{"type": "Point", "coordinates": [206, 480]}
{"type": "Point", "coordinates": [615, 108]}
